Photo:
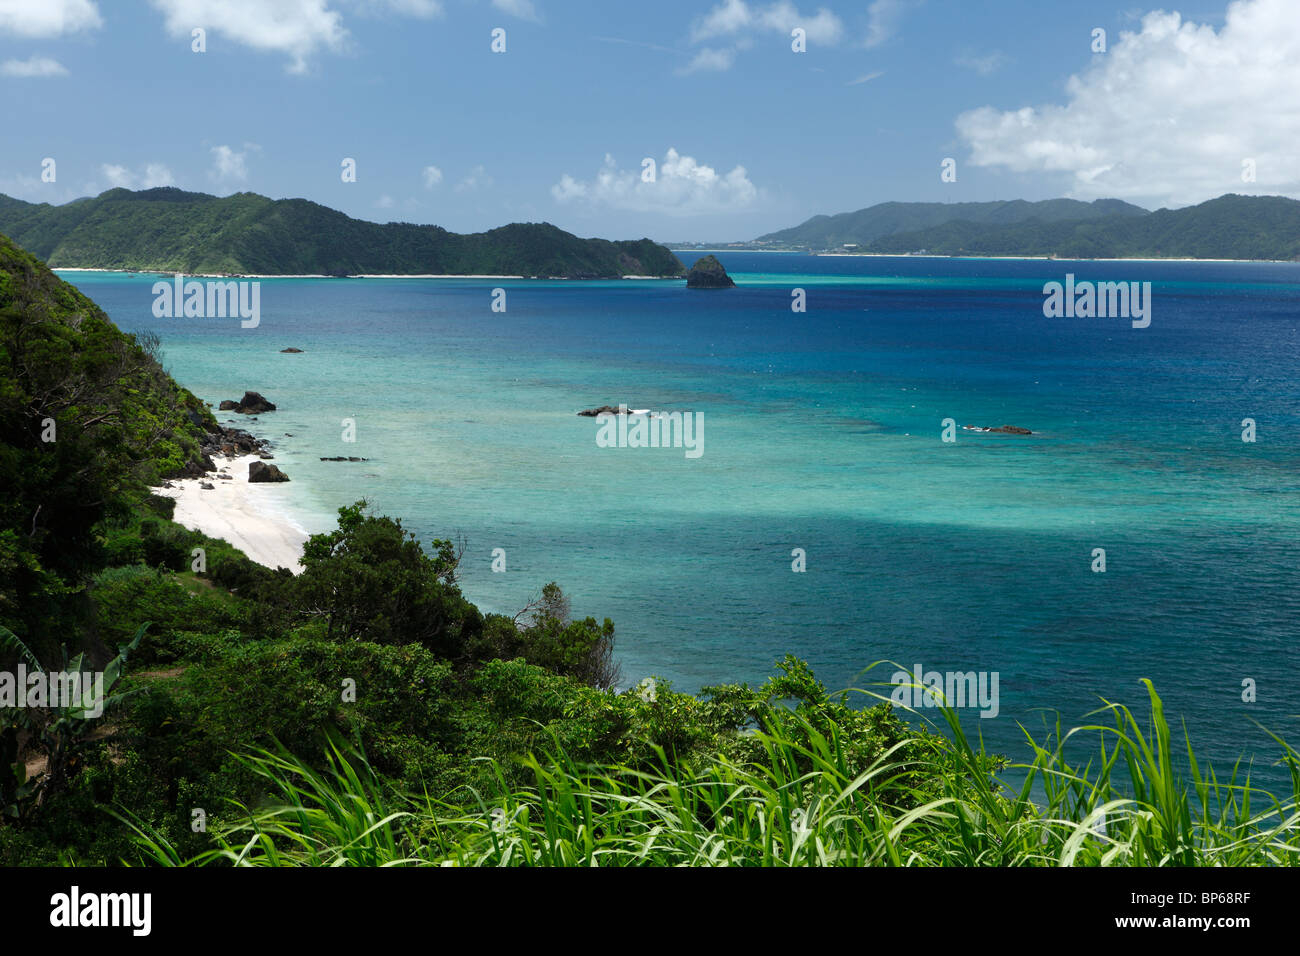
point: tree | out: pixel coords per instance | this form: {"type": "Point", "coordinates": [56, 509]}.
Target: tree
{"type": "Point", "coordinates": [370, 580]}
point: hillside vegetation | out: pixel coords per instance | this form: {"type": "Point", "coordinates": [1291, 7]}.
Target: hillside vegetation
{"type": "Point", "coordinates": [170, 230]}
{"type": "Point", "coordinates": [1230, 227]}
{"type": "Point", "coordinates": [890, 218]}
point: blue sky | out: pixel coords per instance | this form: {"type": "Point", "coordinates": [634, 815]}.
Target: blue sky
{"type": "Point", "coordinates": [556, 127]}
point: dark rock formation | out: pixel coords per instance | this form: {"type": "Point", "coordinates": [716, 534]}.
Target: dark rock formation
{"type": "Point", "coordinates": [1002, 429]}
{"type": "Point", "coordinates": [341, 458]}
{"type": "Point", "coordinates": [261, 471]}
{"type": "Point", "coordinates": [290, 350]}
{"type": "Point", "coordinates": [206, 485]}
{"type": "Point", "coordinates": [253, 403]}
{"type": "Point", "coordinates": [603, 410]}
{"type": "Point", "coordinates": [707, 273]}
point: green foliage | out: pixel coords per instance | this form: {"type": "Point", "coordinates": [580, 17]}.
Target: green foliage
{"type": "Point", "coordinates": [170, 230]}
{"type": "Point", "coordinates": [370, 580]}
{"type": "Point", "coordinates": [891, 218]}
{"type": "Point", "coordinates": [61, 729]}
{"type": "Point", "coordinates": [798, 802]}
{"type": "Point", "coordinates": [1230, 227]}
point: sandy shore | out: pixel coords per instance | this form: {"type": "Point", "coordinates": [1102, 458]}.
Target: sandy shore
{"type": "Point", "coordinates": [238, 512]}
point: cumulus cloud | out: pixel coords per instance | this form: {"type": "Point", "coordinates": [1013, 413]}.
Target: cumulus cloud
{"type": "Point", "coordinates": [1169, 114]}
{"type": "Point", "coordinates": [681, 187]}
{"type": "Point", "coordinates": [739, 22]}
{"type": "Point", "coordinates": [48, 18]}
{"type": "Point", "coordinates": [883, 18]}
{"type": "Point", "coordinates": [297, 28]}
{"type": "Point", "coordinates": [230, 165]}
{"type": "Point", "coordinates": [432, 176]}
{"type": "Point", "coordinates": [35, 66]}
{"type": "Point", "coordinates": [154, 174]}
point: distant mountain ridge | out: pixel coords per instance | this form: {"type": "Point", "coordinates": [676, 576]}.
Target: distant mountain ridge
{"type": "Point", "coordinates": [889, 218]}
{"type": "Point", "coordinates": [172, 230]}
{"type": "Point", "coordinates": [1230, 227]}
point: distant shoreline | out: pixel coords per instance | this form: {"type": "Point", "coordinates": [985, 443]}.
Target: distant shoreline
{"type": "Point", "coordinates": [914, 255]}
{"type": "Point", "coordinates": [360, 275]}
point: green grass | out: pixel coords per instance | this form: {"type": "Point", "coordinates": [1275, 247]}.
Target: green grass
{"type": "Point", "coordinates": [798, 805]}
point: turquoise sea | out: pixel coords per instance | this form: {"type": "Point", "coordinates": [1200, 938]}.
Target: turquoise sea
{"type": "Point", "coordinates": [822, 431]}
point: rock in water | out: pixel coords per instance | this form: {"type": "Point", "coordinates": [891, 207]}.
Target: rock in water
{"type": "Point", "coordinates": [261, 471]}
{"type": "Point", "coordinates": [253, 403]}
{"type": "Point", "coordinates": [291, 349]}
{"type": "Point", "coordinates": [707, 273]}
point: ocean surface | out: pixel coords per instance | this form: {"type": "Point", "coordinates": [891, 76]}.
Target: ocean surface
{"type": "Point", "coordinates": [823, 432]}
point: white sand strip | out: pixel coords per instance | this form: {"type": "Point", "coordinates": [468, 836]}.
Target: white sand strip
{"type": "Point", "coordinates": [238, 512]}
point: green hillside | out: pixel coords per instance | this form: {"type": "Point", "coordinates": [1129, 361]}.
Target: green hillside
{"type": "Point", "coordinates": [1230, 227]}
{"type": "Point", "coordinates": [170, 230]}
{"type": "Point", "coordinates": [889, 218]}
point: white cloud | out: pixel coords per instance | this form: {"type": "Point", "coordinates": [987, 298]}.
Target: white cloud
{"type": "Point", "coordinates": [865, 78]}
{"type": "Point", "coordinates": [298, 28]}
{"type": "Point", "coordinates": [741, 22]}
{"type": "Point", "coordinates": [883, 17]}
{"type": "Point", "coordinates": [385, 202]}
{"type": "Point", "coordinates": [523, 9]}
{"type": "Point", "coordinates": [985, 65]}
{"type": "Point", "coordinates": [682, 187]}
{"type": "Point", "coordinates": [710, 59]}
{"type": "Point", "coordinates": [1168, 114]}
{"type": "Point", "coordinates": [432, 176]}
{"type": "Point", "coordinates": [424, 9]}
{"type": "Point", "coordinates": [229, 165]}
{"type": "Point", "coordinates": [35, 66]}
{"type": "Point", "coordinates": [48, 18]}
{"type": "Point", "coordinates": [478, 178]}
{"type": "Point", "coordinates": [154, 174]}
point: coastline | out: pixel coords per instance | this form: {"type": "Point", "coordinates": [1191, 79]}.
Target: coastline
{"type": "Point", "coordinates": [235, 511]}
{"type": "Point", "coordinates": [361, 275]}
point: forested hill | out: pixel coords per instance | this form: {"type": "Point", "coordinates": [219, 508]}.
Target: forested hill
{"type": "Point", "coordinates": [1230, 227]}
{"type": "Point", "coordinates": [890, 218]}
{"type": "Point", "coordinates": [171, 230]}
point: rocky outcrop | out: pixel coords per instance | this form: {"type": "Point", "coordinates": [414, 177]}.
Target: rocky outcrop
{"type": "Point", "coordinates": [708, 273]}
{"type": "Point", "coordinates": [261, 471]}
{"type": "Point", "coordinates": [341, 458]}
{"type": "Point", "coordinates": [291, 349]}
{"type": "Point", "coordinates": [603, 410]}
{"type": "Point", "coordinates": [1002, 429]}
{"type": "Point", "coordinates": [253, 403]}
{"type": "Point", "coordinates": [231, 442]}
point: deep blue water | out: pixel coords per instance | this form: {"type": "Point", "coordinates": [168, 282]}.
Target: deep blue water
{"type": "Point", "coordinates": [823, 432]}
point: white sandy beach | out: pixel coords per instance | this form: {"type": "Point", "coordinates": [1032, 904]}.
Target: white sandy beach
{"type": "Point", "coordinates": [238, 512]}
